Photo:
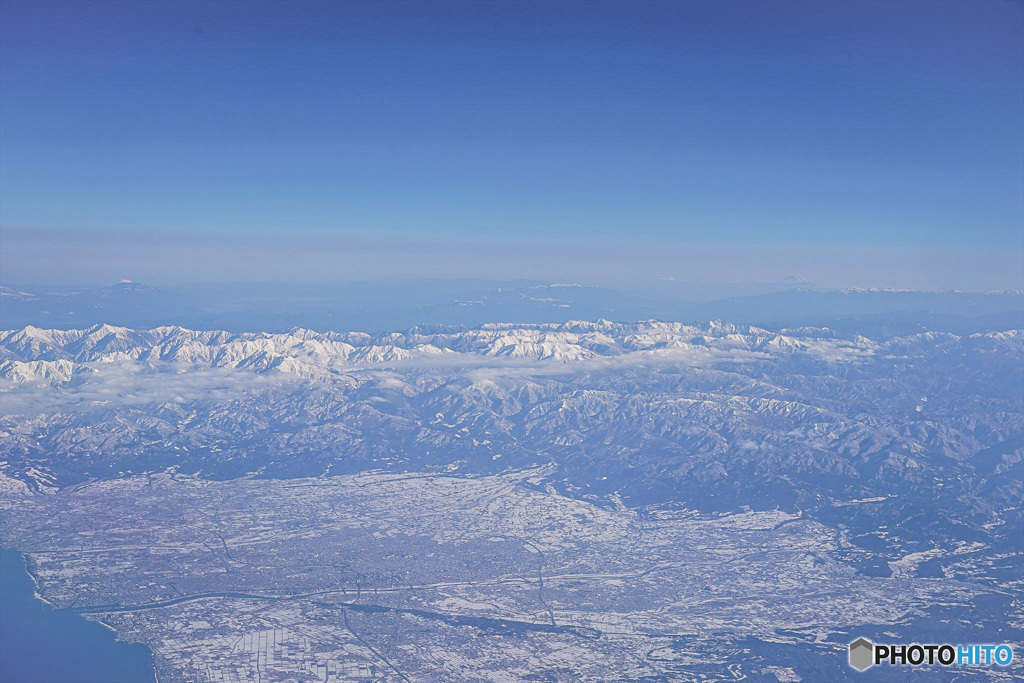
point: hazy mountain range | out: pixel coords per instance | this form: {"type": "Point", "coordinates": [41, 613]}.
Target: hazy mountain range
{"type": "Point", "coordinates": [394, 305]}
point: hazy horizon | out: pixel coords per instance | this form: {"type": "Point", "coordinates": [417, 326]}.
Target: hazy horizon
{"type": "Point", "coordinates": [81, 260]}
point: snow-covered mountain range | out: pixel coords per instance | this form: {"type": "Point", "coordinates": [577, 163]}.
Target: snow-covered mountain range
{"type": "Point", "coordinates": [32, 354]}
{"type": "Point", "coordinates": [709, 414]}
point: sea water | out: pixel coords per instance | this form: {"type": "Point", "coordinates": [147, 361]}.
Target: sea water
{"type": "Point", "coordinates": [39, 644]}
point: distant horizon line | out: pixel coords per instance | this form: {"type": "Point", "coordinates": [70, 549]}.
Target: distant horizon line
{"type": "Point", "coordinates": [802, 286]}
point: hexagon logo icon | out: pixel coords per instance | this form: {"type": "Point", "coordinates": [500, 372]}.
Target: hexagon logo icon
{"type": "Point", "coordinates": [862, 654]}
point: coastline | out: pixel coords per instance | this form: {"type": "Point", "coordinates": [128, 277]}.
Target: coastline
{"type": "Point", "coordinates": [56, 643]}
{"type": "Point", "coordinates": [27, 563]}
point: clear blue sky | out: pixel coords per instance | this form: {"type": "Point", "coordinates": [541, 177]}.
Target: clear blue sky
{"type": "Point", "coordinates": [808, 125]}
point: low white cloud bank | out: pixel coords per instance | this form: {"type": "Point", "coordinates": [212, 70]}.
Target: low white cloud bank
{"type": "Point", "coordinates": [475, 366]}
{"type": "Point", "coordinates": [135, 383]}
{"type": "Point", "coordinates": [127, 383]}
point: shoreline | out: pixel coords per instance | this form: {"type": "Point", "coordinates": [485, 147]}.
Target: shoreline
{"type": "Point", "coordinates": [99, 651]}
{"type": "Point", "coordinates": [26, 562]}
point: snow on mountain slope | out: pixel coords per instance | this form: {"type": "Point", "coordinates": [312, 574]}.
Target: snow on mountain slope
{"type": "Point", "coordinates": [699, 397]}
{"type": "Point", "coordinates": [566, 343]}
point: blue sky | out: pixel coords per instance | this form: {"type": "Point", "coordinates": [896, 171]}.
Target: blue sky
{"type": "Point", "coordinates": [814, 128]}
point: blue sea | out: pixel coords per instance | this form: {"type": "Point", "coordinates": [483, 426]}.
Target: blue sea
{"type": "Point", "coordinates": [43, 645]}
